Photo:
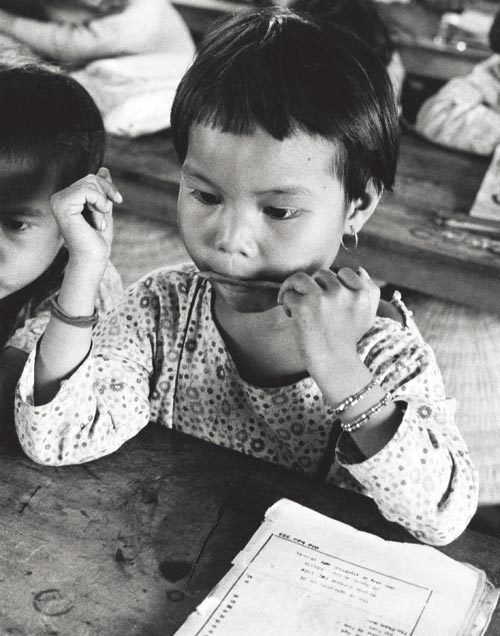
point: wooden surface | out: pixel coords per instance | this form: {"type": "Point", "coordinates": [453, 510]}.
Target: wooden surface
{"type": "Point", "coordinates": [129, 544]}
{"type": "Point", "coordinates": [400, 244]}
{"type": "Point", "coordinates": [413, 29]}
{"type": "Point", "coordinates": [437, 61]}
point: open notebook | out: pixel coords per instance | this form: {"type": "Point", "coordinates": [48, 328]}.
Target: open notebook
{"type": "Point", "coordinates": [305, 574]}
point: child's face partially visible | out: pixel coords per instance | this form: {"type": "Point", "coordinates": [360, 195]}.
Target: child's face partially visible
{"type": "Point", "coordinates": [254, 207]}
{"type": "Point", "coordinates": [29, 236]}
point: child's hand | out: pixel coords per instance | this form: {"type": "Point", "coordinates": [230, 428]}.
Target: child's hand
{"type": "Point", "coordinates": [88, 241]}
{"type": "Point", "coordinates": [330, 312]}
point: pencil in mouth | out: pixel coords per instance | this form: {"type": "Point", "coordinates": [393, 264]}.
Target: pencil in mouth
{"type": "Point", "coordinates": [215, 277]}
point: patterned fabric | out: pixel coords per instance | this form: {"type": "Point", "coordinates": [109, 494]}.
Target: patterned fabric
{"type": "Point", "coordinates": [466, 342]}
{"type": "Point", "coordinates": [159, 356]}
{"type": "Point", "coordinates": [34, 324]}
{"type": "Point", "coordinates": [465, 113]}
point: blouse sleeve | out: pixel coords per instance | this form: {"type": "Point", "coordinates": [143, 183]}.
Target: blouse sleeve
{"type": "Point", "coordinates": [465, 113]}
{"type": "Point", "coordinates": [105, 401]}
{"type": "Point", "coordinates": [423, 479]}
{"type": "Point", "coordinates": [26, 337]}
{"type": "Point", "coordinates": [143, 26]}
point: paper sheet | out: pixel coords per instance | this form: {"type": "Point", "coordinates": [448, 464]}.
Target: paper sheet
{"type": "Point", "coordinates": [302, 573]}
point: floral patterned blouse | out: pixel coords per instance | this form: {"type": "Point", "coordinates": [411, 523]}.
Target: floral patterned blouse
{"type": "Point", "coordinates": [158, 356]}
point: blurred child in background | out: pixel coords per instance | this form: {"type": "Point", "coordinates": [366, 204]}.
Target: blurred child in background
{"type": "Point", "coordinates": [465, 113]}
{"type": "Point", "coordinates": [129, 54]}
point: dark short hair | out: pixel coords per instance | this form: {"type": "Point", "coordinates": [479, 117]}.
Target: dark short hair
{"type": "Point", "coordinates": [286, 72]}
{"type": "Point", "coordinates": [49, 119]}
{"type": "Point", "coordinates": [359, 16]}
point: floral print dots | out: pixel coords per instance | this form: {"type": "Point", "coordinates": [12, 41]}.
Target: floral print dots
{"type": "Point", "coordinates": [424, 411]}
{"type": "Point", "coordinates": [153, 371]}
{"type": "Point", "coordinates": [284, 434]}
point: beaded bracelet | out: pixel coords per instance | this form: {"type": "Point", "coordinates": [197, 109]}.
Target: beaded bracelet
{"type": "Point", "coordinates": [353, 399]}
{"type": "Point", "coordinates": [349, 427]}
{"type": "Point", "coordinates": [75, 321]}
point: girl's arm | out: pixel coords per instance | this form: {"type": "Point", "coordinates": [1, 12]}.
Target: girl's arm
{"type": "Point", "coordinates": [465, 114]}
{"type": "Point", "coordinates": [409, 456]}
{"type": "Point", "coordinates": [143, 26]}
{"type": "Point", "coordinates": [423, 478]}
{"type": "Point", "coordinates": [63, 346]}
{"type": "Point", "coordinates": [105, 401]}
{"type": "Point", "coordinates": [330, 314]}
{"type": "Point", "coordinates": [71, 408]}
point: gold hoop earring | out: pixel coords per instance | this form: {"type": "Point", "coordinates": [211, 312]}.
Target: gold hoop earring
{"type": "Point", "coordinates": [354, 237]}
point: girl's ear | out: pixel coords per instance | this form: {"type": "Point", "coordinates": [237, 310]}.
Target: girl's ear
{"type": "Point", "coordinates": [360, 210]}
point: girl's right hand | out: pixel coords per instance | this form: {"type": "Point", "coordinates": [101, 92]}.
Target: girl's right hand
{"type": "Point", "coordinates": [87, 243]}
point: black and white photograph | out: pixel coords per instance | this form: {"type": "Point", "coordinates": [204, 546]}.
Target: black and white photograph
{"type": "Point", "coordinates": [250, 317]}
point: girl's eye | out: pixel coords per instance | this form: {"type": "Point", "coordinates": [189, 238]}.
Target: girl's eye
{"type": "Point", "coordinates": [281, 214]}
{"type": "Point", "coordinates": [205, 197]}
{"type": "Point", "coordinates": [14, 225]}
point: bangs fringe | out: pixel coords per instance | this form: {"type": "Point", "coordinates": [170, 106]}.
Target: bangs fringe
{"type": "Point", "coordinates": [284, 73]}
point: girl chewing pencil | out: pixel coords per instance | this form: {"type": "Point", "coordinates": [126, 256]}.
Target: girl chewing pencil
{"type": "Point", "coordinates": [277, 174]}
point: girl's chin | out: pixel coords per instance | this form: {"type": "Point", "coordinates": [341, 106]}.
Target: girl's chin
{"type": "Point", "coordinates": [247, 301]}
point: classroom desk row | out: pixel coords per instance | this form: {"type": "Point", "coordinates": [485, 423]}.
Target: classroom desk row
{"type": "Point", "coordinates": [131, 543]}
{"type": "Point", "coordinates": [401, 244]}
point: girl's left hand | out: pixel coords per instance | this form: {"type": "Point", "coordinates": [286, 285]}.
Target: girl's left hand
{"type": "Point", "coordinates": [330, 313]}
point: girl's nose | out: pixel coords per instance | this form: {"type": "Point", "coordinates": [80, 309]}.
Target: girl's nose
{"type": "Point", "coordinates": [236, 233]}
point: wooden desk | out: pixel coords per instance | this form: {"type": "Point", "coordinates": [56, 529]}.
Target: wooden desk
{"type": "Point", "coordinates": [129, 545]}
{"type": "Point", "coordinates": [425, 58]}
{"type": "Point", "coordinates": [413, 29]}
{"type": "Point", "coordinates": [400, 244]}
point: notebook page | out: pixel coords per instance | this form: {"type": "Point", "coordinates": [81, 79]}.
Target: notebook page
{"type": "Point", "coordinates": [303, 573]}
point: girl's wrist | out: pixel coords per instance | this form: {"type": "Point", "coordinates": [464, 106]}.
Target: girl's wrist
{"type": "Point", "coordinates": [85, 270]}
{"type": "Point", "coordinates": [376, 433]}
{"type": "Point", "coordinates": [342, 377]}
{"type": "Point", "coordinates": [80, 288]}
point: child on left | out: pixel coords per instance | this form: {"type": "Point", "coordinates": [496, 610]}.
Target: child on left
{"type": "Point", "coordinates": [47, 143]}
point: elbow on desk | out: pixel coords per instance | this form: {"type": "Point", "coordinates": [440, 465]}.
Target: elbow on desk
{"type": "Point", "coordinates": [449, 524]}
{"type": "Point", "coordinates": [40, 456]}
{"type": "Point", "coordinates": [46, 452]}
{"type": "Point", "coordinates": [443, 536]}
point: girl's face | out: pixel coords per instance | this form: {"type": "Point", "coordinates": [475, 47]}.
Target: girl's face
{"type": "Point", "coordinates": [254, 207]}
{"type": "Point", "coordinates": [29, 236]}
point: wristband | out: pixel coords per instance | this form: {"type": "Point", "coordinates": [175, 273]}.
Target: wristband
{"type": "Point", "coordinates": [349, 427]}
{"type": "Point", "coordinates": [353, 399]}
{"type": "Point", "coordinates": [75, 321]}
